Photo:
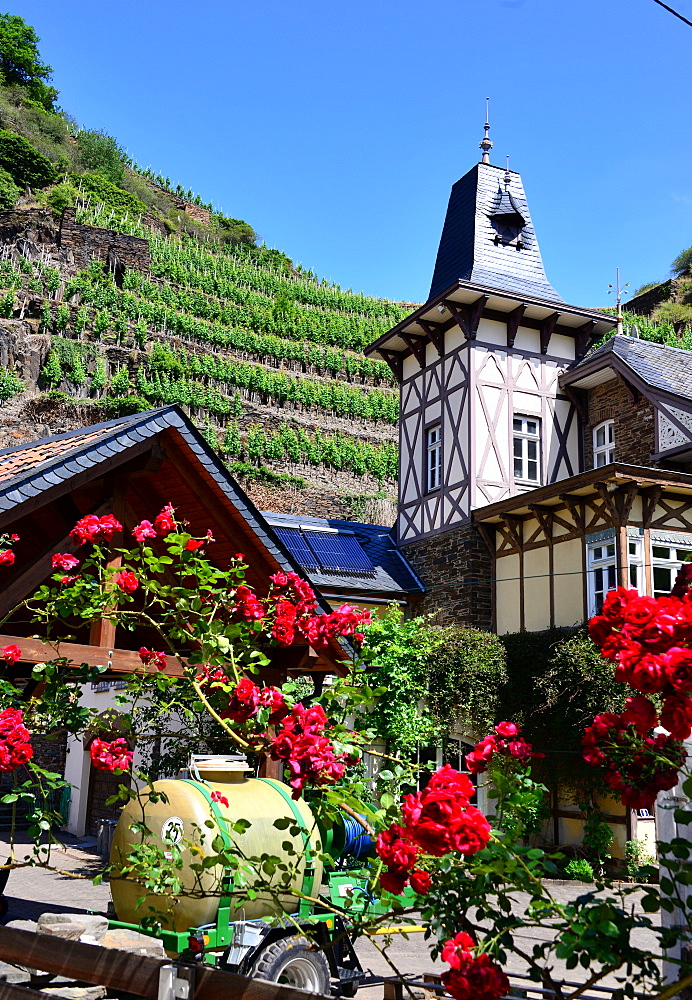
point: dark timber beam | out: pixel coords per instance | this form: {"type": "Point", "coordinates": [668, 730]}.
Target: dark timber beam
{"type": "Point", "coordinates": [467, 315]}
{"type": "Point", "coordinates": [514, 527]}
{"type": "Point", "coordinates": [576, 509]}
{"type": "Point", "coordinates": [513, 321]}
{"type": "Point", "coordinates": [417, 345]}
{"type": "Point", "coordinates": [624, 497]}
{"type": "Point", "coordinates": [487, 533]}
{"type": "Point", "coordinates": [547, 330]}
{"type": "Point", "coordinates": [544, 516]}
{"type": "Point", "coordinates": [579, 400]}
{"type": "Point", "coordinates": [650, 498]}
{"type": "Point", "coordinates": [395, 362]}
{"type": "Point", "coordinates": [436, 332]}
{"type": "Point", "coordinates": [582, 337]}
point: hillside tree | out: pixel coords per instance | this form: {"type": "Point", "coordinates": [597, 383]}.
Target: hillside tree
{"type": "Point", "coordinates": [20, 61]}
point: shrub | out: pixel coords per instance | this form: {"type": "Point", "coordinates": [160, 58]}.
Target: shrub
{"type": "Point", "coordinates": [10, 384]}
{"type": "Point", "coordinates": [639, 861]}
{"type": "Point", "coordinates": [111, 195]}
{"type": "Point", "coordinates": [465, 674]}
{"type": "Point", "coordinates": [9, 192]}
{"type": "Point", "coordinates": [579, 869]}
{"type": "Point", "coordinates": [682, 263]}
{"type": "Point", "coordinates": [24, 162]}
{"type": "Point", "coordinates": [62, 196]}
{"type": "Point", "coordinates": [100, 152]}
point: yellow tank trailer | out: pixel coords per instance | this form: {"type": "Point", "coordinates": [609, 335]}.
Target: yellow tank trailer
{"type": "Point", "coordinates": [185, 816]}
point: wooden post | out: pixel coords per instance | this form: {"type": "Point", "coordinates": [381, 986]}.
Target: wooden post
{"type": "Point", "coordinates": [102, 631]}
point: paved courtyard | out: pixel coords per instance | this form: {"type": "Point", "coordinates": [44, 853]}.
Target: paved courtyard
{"type": "Point", "coordinates": [31, 891]}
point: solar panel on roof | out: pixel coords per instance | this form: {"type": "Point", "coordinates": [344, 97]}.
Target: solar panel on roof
{"type": "Point", "coordinates": [340, 552]}
{"type": "Point", "coordinates": [297, 546]}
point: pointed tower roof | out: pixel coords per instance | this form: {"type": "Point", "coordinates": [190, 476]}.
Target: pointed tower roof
{"type": "Point", "coordinates": [488, 236]}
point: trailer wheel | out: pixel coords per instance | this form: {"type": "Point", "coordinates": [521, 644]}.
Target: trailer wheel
{"type": "Point", "coordinates": [349, 988]}
{"type": "Point", "coordinates": [292, 962]}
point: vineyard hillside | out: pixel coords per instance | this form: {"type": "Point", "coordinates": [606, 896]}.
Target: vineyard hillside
{"type": "Point", "coordinates": [120, 292]}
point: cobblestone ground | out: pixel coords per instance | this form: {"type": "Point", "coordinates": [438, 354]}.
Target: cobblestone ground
{"type": "Point", "coordinates": [31, 891]}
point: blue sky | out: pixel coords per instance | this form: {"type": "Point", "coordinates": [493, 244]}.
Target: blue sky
{"type": "Point", "coordinates": [338, 130]}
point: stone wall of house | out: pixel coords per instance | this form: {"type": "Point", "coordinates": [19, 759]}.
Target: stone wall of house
{"type": "Point", "coordinates": [634, 423]}
{"type": "Point", "coordinates": [456, 568]}
{"type": "Point", "coordinates": [91, 242]}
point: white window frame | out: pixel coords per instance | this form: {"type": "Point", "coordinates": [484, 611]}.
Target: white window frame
{"type": "Point", "coordinates": [670, 562]}
{"type": "Point", "coordinates": [601, 570]}
{"type": "Point", "coordinates": [433, 457]}
{"type": "Point", "coordinates": [524, 438]}
{"type": "Point", "coordinates": [604, 453]}
{"type": "Point", "coordinates": [636, 579]}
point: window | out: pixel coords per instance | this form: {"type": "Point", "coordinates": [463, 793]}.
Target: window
{"type": "Point", "coordinates": [526, 449]}
{"type": "Point", "coordinates": [636, 566]}
{"type": "Point", "coordinates": [604, 444]}
{"type": "Point", "coordinates": [433, 456]}
{"type": "Point", "coordinates": [602, 573]}
{"type": "Point", "coordinates": [666, 561]}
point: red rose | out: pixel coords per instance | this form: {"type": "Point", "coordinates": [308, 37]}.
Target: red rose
{"type": "Point", "coordinates": [447, 777]}
{"type": "Point", "coordinates": [216, 796]}
{"type": "Point", "coordinates": [165, 520]}
{"type": "Point", "coordinates": [20, 753]}
{"type": "Point", "coordinates": [676, 716]}
{"type": "Point", "coordinates": [476, 979]}
{"type": "Point", "coordinates": [144, 530]}
{"type": "Point", "coordinates": [420, 881]}
{"type": "Point", "coordinates": [640, 610]}
{"type": "Point", "coordinates": [127, 581]}
{"type": "Point", "coordinates": [279, 579]}
{"type": "Point", "coordinates": [640, 713]}
{"type": "Point", "coordinates": [111, 756]}
{"type": "Point", "coordinates": [648, 674]}
{"type": "Point", "coordinates": [63, 560]}
{"type": "Point", "coordinates": [678, 667]}
{"type": "Point", "coordinates": [507, 729]}
{"type": "Point", "coordinates": [396, 852]}
{"type": "Point", "coordinates": [394, 882]}
{"type": "Point", "coordinates": [193, 544]}
{"type": "Point", "coordinates": [11, 654]}
{"type": "Point", "coordinates": [7, 556]}
{"type": "Point", "coordinates": [471, 831]}
{"type": "Point", "coordinates": [457, 949]}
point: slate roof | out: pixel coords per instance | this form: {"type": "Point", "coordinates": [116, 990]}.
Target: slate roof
{"type": "Point", "coordinates": [668, 369]}
{"type": "Point", "coordinates": [28, 470]}
{"type": "Point", "coordinates": [469, 249]}
{"type": "Point", "coordinates": [392, 575]}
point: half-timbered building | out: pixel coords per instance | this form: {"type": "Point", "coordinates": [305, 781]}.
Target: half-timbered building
{"type": "Point", "coordinates": [537, 469]}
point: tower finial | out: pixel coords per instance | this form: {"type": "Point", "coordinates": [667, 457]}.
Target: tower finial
{"type": "Point", "coordinates": [485, 144]}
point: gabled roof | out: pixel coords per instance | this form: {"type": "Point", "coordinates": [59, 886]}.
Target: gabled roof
{"type": "Point", "coordinates": [474, 245]}
{"type": "Point", "coordinates": [34, 474]}
{"type": "Point", "coordinates": [645, 364]}
{"type": "Point", "coordinates": [383, 571]}
{"type": "Point", "coordinates": [27, 471]}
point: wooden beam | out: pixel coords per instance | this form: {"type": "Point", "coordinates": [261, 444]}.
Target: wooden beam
{"type": "Point", "coordinates": [582, 337]}
{"type": "Point", "coordinates": [547, 329]}
{"type": "Point", "coordinates": [32, 575]}
{"type": "Point", "coordinates": [417, 345]}
{"type": "Point", "coordinates": [579, 400]}
{"type": "Point", "coordinates": [544, 516]}
{"type": "Point", "coordinates": [608, 501]}
{"type": "Point", "coordinates": [576, 510]}
{"type": "Point", "coordinates": [513, 322]}
{"type": "Point", "coordinates": [102, 631]}
{"type": "Point", "coordinates": [436, 332]}
{"type": "Point", "coordinates": [118, 661]}
{"type": "Point", "coordinates": [650, 498]}
{"type": "Point", "coordinates": [123, 971]}
{"type": "Point", "coordinates": [395, 362]}
{"type": "Point", "coordinates": [624, 498]}
{"type": "Point", "coordinates": [487, 533]}
{"type": "Point", "coordinates": [467, 316]}
{"type": "Point", "coordinates": [514, 527]}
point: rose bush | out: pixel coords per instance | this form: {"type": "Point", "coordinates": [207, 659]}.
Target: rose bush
{"type": "Point", "coordinates": [474, 876]}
